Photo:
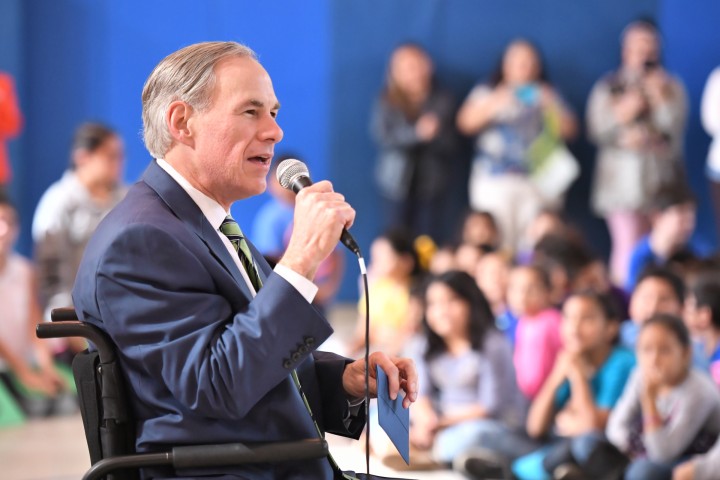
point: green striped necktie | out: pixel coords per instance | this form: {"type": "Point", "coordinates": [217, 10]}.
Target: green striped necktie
{"type": "Point", "coordinates": [231, 230]}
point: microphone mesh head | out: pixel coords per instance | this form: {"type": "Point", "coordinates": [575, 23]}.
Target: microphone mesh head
{"type": "Point", "coordinates": [289, 170]}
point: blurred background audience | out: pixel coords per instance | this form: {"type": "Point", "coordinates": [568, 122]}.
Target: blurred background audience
{"type": "Point", "coordinates": [506, 116]}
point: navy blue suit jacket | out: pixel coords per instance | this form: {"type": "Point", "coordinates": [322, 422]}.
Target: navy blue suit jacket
{"type": "Point", "coordinates": [204, 361]}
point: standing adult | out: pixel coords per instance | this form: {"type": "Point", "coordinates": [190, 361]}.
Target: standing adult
{"type": "Point", "coordinates": [413, 125]}
{"type": "Point", "coordinates": [215, 345]}
{"type": "Point", "coordinates": [710, 116]}
{"type": "Point", "coordinates": [10, 124]}
{"type": "Point", "coordinates": [506, 116]}
{"type": "Point", "coordinates": [636, 116]}
{"type": "Point", "coordinates": [71, 208]}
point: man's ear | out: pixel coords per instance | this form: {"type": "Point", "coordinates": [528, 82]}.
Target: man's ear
{"type": "Point", "coordinates": [178, 119]}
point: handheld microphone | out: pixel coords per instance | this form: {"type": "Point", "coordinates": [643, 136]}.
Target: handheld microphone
{"type": "Point", "coordinates": [294, 175]}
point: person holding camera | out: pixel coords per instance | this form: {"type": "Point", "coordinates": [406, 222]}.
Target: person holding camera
{"type": "Point", "coordinates": [507, 116]}
{"type": "Point", "coordinates": [636, 116]}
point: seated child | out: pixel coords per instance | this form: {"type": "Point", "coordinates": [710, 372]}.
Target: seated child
{"type": "Point", "coordinates": [546, 222]}
{"type": "Point", "coordinates": [537, 337]}
{"type": "Point", "coordinates": [672, 221]}
{"type": "Point", "coordinates": [466, 376]}
{"type": "Point", "coordinates": [443, 260]}
{"type": "Point", "coordinates": [392, 271]}
{"type": "Point", "coordinates": [491, 275]}
{"type": "Point", "coordinates": [467, 257]}
{"type": "Point", "coordinates": [668, 411]}
{"type": "Point", "coordinates": [594, 276]}
{"type": "Point", "coordinates": [480, 230]}
{"type": "Point", "coordinates": [658, 290]}
{"type": "Point", "coordinates": [702, 317]}
{"type": "Point", "coordinates": [27, 368]}
{"type": "Point", "coordinates": [563, 256]}
{"type": "Point", "coordinates": [586, 382]}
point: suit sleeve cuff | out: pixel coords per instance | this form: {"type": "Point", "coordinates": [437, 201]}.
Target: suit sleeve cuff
{"type": "Point", "coordinates": [305, 287]}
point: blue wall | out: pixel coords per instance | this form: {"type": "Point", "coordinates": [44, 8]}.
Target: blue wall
{"type": "Point", "coordinates": [87, 59]}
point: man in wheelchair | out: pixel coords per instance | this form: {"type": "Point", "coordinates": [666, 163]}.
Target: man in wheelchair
{"type": "Point", "coordinates": [215, 346]}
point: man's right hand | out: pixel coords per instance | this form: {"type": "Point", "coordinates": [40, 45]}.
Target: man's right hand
{"type": "Point", "coordinates": [320, 216]}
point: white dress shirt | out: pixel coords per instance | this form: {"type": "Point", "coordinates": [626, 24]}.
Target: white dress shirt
{"type": "Point", "coordinates": [215, 214]}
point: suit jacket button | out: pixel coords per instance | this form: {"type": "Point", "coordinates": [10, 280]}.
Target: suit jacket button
{"type": "Point", "coordinates": [295, 356]}
{"type": "Point", "coordinates": [303, 349]}
{"type": "Point", "coordinates": [287, 364]}
{"type": "Point", "coordinates": [309, 341]}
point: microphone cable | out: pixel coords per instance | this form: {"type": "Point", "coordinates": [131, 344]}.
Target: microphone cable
{"type": "Point", "coordinates": [363, 272]}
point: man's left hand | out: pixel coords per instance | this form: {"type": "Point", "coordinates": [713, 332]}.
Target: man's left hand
{"type": "Point", "coordinates": [401, 374]}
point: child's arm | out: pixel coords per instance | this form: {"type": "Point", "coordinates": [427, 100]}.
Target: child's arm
{"type": "Point", "coordinates": [583, 415]}
{"type": "Point", "coordinates": [424, 423]}
{"type": "Point", "coordinates": [25, 374]}
{"type": "Point", "coordinates": [624, 413]}
{"type": "Point", "coordinates": [542, 409]}
{"type": "Point", "coordinates": [665, 442]}
{"type": "Point", "coordinates": [472, 412]}
{"type": "Point", "coordinates": [41, 347]}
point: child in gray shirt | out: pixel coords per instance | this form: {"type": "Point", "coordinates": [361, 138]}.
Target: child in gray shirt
{"type": "Point", "coordinates": [667, 411]}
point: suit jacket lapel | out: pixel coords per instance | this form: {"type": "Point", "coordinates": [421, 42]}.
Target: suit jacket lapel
{"type": "Point", "coordinates": [186, 210]}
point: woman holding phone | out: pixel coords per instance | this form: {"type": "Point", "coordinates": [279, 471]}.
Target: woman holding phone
{"type": "Point", "coordinates": [506, 115]}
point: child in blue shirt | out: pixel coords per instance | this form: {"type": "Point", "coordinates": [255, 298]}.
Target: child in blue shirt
{"type": "Point", "coordinates": [586, 382]}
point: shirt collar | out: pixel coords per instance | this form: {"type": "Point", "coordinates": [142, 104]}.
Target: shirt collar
{"type": "Point", "coordinates": [212, 210]}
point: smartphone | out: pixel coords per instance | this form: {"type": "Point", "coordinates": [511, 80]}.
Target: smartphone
{"type": "Point", "coordinates": [528, 94]}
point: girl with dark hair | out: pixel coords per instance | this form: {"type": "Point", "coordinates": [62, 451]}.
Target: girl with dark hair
{"type": "Point", "coordinates": [467, 379]}
{"type": "Point", "coordinates": [701, 313]}
{"type": "Point", "coordinates": [508, 116]}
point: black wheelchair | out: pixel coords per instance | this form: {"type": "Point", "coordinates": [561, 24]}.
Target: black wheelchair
{"type": "Point", "coordinates": [110, 426]}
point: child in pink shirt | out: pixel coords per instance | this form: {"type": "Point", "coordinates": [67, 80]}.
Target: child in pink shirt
{"type": "Point", "coordinates": [537, 339]}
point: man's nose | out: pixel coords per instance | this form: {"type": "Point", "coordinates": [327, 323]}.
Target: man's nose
{"type": "Point", "coordinates": [270, 130]}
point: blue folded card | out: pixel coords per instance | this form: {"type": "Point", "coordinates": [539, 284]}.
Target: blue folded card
{"type": "Point", "coordinates": [394, 419]}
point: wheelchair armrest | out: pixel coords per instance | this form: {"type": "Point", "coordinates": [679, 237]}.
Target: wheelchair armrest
{"type": "Point", "coordinates": [63, 314]}
{"type": "Point", "coordinates": [209, 456]}
{"type": "Point", "coordinates": [75, 328]}
{"type": "Point", "coordinates": [237, 453]}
